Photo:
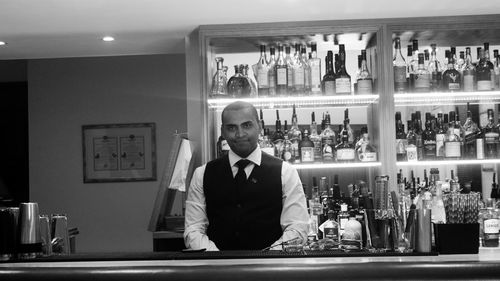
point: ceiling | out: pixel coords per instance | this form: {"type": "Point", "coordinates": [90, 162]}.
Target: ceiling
{"type": "Point", "coordinates": [73, 28]}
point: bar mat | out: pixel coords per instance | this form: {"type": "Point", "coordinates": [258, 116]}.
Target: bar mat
{"type": "Point", "coordinates": [212, 255]}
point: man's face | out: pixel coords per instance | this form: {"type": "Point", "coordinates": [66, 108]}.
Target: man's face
{"type": "Point", "coordinates": [241, 131]}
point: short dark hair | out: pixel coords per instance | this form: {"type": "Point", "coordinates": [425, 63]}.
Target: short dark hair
{"type": "Point", "coordinates": [239, 105]}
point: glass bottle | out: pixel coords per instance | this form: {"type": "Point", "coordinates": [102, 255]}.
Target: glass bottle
{"type": "Point", "coordinates": [298, 71]}
{"type": "Point", "coordinates": [411, 148]}
{"type": "Point", "coordinates": [365, 152]}
{"type": "Point", "coordinates": [328, 83]}
{"type": "Point", "coordinates": [401, 141]}
{"type": "Point", "coordinates": [342, 219]}
{"type": "Point", "coordinates": [219, 81]}
{"type": "Point", "coordinates": [306, 147]}
{"type": "Point", "coordinates": [328, 141]}
{"type": "Point", "coordinates": [356, 75]}
{"type": "Point", "coordinates": [278, 137]}
{"type": "Point", "coordinates": [331, 229]}
{"type": "Point", "coordinates": [271, 66]}
{"type": "Point", "coordinates": [307, 71]}
{"type": "Point", "coordinates": [440, 137]}
{"type": "Point", "coordinates": [289, 64]}
{"type": "Point", "coordinates": [497, 69]}
{"type": "Point", "coordinates": [281, 73]}
{"type": "Point", "coordinates": [267, 145]}
{"type": "Point", "coordinates": [253, 84]}
{"type": "Point", "coordinates": [365, 81]}
{"type": "Point", "coordinates": [261, 70]}
{"type": "Point", "coordinates": [435, 69]}
{"type": "Point", "coordinates": [483, 73]}
{"type": "Point", "coordinates": [347, 126]}
{"type": "Point", "coordinates": [288, 154]}
{"type": "Point", "coordinates": [238, 85]}
{"type": "Point", "coordinates": [399, 65]}
{"type": "Point", "coordinates": [451, 77]}
{"type": "Point", "coordinates": [421, 76]}
{"type": "Point", "coordinates": [345, 150]}
{"type": "Point", "coordinates": [491, 137]}
{"type": "Point", "coordinates": [471, 131]}
{"type": "Point", "coordinates": [453, 142]}
{"type": "Point", "coordinates": [429, 140]}
{"type": "Point", "coordinates": [490, 224]}
{"type": "Point", "coordinates": [460, 62]}
{"type": "Point", "coordinates": [417, 128]}
{"type": "Point", "coordinates": [295, 136]}
{"type": "Point", "coordinates": [342, 79]}
{"type": "Point", "coordinates": [490, 64]}
{"type": "Point", "coordinates": [409, 68]}
{"type": "Point", "coordinates": [315, 138]}
{"type": "Point", "coordinates": [469, 72]}
{"type": "Point", "coordinates": [315, 70]}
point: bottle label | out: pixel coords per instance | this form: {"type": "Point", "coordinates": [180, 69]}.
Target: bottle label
{"type": "Point", "coordinates": [468, 83]}
{"type": "Point", "coordinates": [298, 76]}
{"type": "Point", "coordinates": [479, 149]}
{"type": "Point", "coordinates": [268, 150]}
{"type": "Point", "coordinates": [491, 138]}
{"type": "Point", "coordinates": [411, 153]}
{"type": "Point", "coordinates": [307, 154]}
{"type": "Point", "coordinates": [331, 232]}
{"type": "Point", "coordinates": [281, 76]}
{"type": "Point", "coordinates": [430, 148]}
{"type": "Point", "coordinates": [329, 88]}
{"type": "Point", "coordinates": [422, 82]}
{"type": "Point", "coordinates": [453, 86]}
{"type": "Point", "coordinates": [343, 222]}
{"type": "Point", "coordinates": [491, 226]}
{"type": "Point", "coordinates": [452, 149]}
{"type": "Point", "coordinates": [343, 86]}
{"type": "Point", "coordinates": [272, 77]}
{"type": "Point", "coordinates": [315, 75]}
{"type": "Point", "coordinates": [440, 145]}
{"type": "Point", "coordinates": [317, 148]}
{"type": "Point", "coordinates": [327, 152]}
{"type": "Point", "coordinates": [368, 157]}
{"type": "Point", "coordinates": [484, 85]}
{"type": "Point", "coordinates": [400, 75]}
{"type": "Point", "coordinates": [345, 154]}
{"type": "Point", "coordinates": [262, 78]}
{"type": "Point", "coordinates": [401, 145]}
{"type": "Point", "coordinates": [365, 87]}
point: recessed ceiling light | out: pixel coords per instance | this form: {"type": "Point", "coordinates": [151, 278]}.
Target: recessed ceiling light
{"type": "Point", "coordinates": [2, 43]}
{"type": "Point", "coordinates": [108, 39]}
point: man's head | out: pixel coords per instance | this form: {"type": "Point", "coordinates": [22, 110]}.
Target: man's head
{"type": "Point", "coordinates": [240, 127]}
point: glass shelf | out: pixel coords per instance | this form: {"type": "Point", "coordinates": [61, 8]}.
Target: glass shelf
{"type": "Point", "coordinates": [436, 98]}
{"type": "Point", "coordinates": [449, 162]}
{"type": "Point", "coordinates": [336, 165]}
{"type": "Point", "coordinates": [299, 101]}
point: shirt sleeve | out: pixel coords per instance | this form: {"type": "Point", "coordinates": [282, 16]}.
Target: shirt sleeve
{"type": "Point", "coordinates": [196, 221]}
{"type": "Point", "coordinates": [294, 216]}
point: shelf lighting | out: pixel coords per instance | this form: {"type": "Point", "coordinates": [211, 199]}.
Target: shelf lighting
{"type": "Point", "coordinates": [449, 162]}
{"type": "Point", "coordinates": [108, 39]}
{"type": "Point", "coordinates": [2, 43]}
{"type": "Point", "coordinates": [442, 97]}
{"type": "Point", "coordinates": [336, 165]}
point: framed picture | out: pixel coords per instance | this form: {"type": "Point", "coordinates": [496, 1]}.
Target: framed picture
{"type": "Point", "coordinates": [119, 152]}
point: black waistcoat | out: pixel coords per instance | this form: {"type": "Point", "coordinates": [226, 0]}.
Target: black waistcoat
{"type": "Point", "coordinates": [246, 218]}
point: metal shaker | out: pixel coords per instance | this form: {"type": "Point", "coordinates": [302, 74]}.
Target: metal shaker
{"type": "Point", "coordinates": [60, 237]}
{"type": "Point", "coordinates": [29, 227]}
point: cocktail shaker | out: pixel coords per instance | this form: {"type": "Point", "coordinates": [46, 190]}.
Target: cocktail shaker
{"type": "Point", "coordinates": [29, 227]}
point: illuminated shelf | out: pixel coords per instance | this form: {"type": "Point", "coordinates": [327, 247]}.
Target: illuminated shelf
{"type": "Point", "coordinates": [436, 98]}
{"type": "Point", "coordinates": [300, 101]}
{"type": "Point", "coordinates": [449, 162]}
{"type": "Point", "coordinates": [336, 165]}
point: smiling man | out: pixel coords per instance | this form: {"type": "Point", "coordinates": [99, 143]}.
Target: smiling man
{"type": "Point", "coordinates": [246, 200]}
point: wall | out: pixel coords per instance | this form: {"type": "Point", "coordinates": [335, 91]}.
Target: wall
{"type": "Point", "coordinates": [65, 94]}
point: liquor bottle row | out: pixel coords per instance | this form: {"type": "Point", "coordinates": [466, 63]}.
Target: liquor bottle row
{"type": "Point", "coordinates": [309, 146]}
{"type": "Point", "coordinates": [297, 74]}
{"type": "Point", "coordinates": [445, 137]}
{"type": "Point", "coordinates": [419, 73]}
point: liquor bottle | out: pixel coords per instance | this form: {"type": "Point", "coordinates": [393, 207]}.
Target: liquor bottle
{"type": "Point", "coordinates": [328, 83]}
{"type": "Point", "coordinates": [271, 66]}
{"type": "Point", "coordinates": [435, 69]}
{"type": "Point", "coordinates": [497, 69]}
{"type": "Point", "coordinates": [490, 64]}
{"type": "Point", "coordinates": [365, 152]}
{"type": "Point", "coordinates": [483, 73]}
{"type": "Point", "coordinates": [328, 141]}
{"type": "Point", "coordinates": [399, 64]}
{"type": "Point", "coordinates": [288, 154]}
{"type": "Point", "coordinates": [219, 81]}
{"type": "Point", "coordinates": [470, 134]}
{"type": "Point", "coordinates": [347, 126]}
{"type": "Point", "coordinates": [411, 148]}
{"type": "Point", "coordinates": [315, 70]}
{"type": "Point", "coordinates": [438, 213]}
{"type": "Point", "coordinates": [289, 64]}
{"type": "Point", "coordinates": [343, 217]}
{"type": "Point", "coordinates": [491, 137]}
{"type": "Point", "coordinates": [315, 138]}
{"type": "Point", "coordinates": [495, 193]}
{"type": "Point", "coordinates": [262, 127]}
{"type": "Point", "coordinates": [356, 75]}
{"type": "Point", "coordinates": [426, 57]}
{"type": "Point", "coordinates": [281, 73]}
{"type": "Point", "coordinates": [421, 76]}
{"type": "Point", "coordinates": [469, 72]}
{"type": "Point", "coordinates": [440, 137]}
{"type": "Point", "coordinates": [331, 229]}
{"type": "Point", "coordinates": [453, 55]}
{"type": "Point", "coordinates": [345, 149]}
{"type": "Point", "coordinates": [261, 70]}
{"type": "Point", "coordinates": [409, 68]}
{"type": "Point", "coordinates": [306, 148]}
{"type": "Point", "coordinates": [298, 71]}
{"type": "Point", "coordinates": [460, 63]}
{"type": "Point", "coordinates": [429, 140]}
{"type": "Point", "coordinates": [451, 77]}
{"type": "Point", "coordinates": [278, 137]}
{"type": "Point", "coordinates": [307, 71]}
{"type": "Point", "coordinates": [490, 224]}
{"type": "Point", "coordinates": [453, 142]}
{"type": "Point", "coordinates": [365, 78]}
{"type": "Point", "coordinates": [295, 136]}
{"type": "Point", "coordinates": [238, 85]}
{"type": "Point", "coordinates": [417, 128]}
{"type": "Point", "coordinates": [253, 84]}
{"type": "Point", "coordinates": [342, 79]}
{"type": "Point", "coordinates": [222, 147]}
{"type": "Point", "coordinates": [401, 141]}
{"type": "Point", "coordinates": [267, 145]}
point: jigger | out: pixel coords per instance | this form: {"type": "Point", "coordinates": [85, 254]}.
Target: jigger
{"type": "Point", "coordinates": [30, 243]}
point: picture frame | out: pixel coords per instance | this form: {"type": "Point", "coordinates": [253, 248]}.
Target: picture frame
{"type": "Point", "coordinates": [119, 152]}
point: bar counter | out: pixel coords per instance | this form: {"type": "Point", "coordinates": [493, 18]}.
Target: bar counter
{"type": "Point", "coordinates": [193, 266]}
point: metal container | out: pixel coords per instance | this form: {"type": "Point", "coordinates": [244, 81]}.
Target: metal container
{"type": "Point", "coordinates": [29, 226]}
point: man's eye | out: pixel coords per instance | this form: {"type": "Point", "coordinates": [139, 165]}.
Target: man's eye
{"type": "Point", "coordinates": [247, 125]}
{"type": "Point", "coordinates": [231, 128]}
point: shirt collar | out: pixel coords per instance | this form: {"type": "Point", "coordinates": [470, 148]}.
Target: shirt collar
{"type": "Point", "coordinates": [255, 157]}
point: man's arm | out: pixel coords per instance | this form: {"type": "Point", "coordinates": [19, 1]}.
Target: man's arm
{"type": "Point", "coordinates": [294, 216]}
{"type": "Point", "coordinates": [196, 221]}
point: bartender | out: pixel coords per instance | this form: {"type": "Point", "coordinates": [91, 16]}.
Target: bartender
{"type": "Point", "coordinates": [246, 200]}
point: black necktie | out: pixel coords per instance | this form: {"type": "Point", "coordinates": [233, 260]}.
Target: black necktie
{"type": "Point", "coordinates": [241, 177]}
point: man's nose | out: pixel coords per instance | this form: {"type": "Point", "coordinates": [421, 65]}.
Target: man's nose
{"type": "Point", "coordinates": [240, 131]}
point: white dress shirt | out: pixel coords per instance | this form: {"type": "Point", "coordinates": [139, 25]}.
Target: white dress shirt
{"type": "Point", "coordinates": [294, 218]}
